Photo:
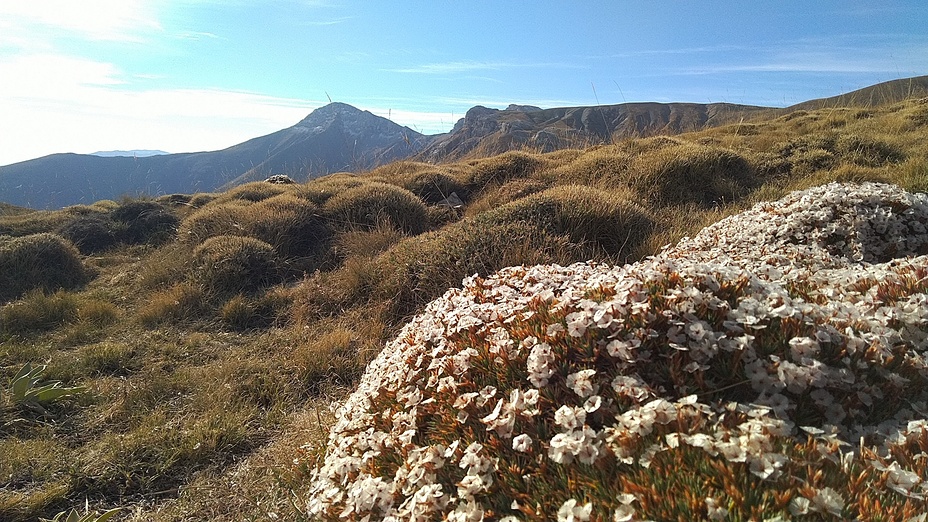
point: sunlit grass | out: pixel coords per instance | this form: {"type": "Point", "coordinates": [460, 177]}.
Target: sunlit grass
{"type": "Point", "coordinates": [209, 367]}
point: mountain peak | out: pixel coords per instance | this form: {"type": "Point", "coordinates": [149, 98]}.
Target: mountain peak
{"type": "Point", "coordinates": [327, 113]}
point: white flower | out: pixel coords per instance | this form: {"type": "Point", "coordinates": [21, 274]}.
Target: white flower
{"type": "Point", "coordinates": [522, 443]}
{"type": "Point", "coordinates": [580, 382]}
{"type": "Point", "coordinates": [827, 500]}
{"type": "Point", "coordinates": [540, 364]}
{"type": "Point", "coordinates": [715, 511]}
{"type": "Point", "coordinates": [623, 513]}
{"type": "Point", "coordinates": [569, 417]}
{"type": "Point", "coordinates": [592, 403]}
{"type": "Point", "coordinates": [571, 512]}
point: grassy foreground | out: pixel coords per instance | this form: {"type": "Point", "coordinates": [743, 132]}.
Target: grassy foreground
{"type": "Point", "coordinates": [198, 341]}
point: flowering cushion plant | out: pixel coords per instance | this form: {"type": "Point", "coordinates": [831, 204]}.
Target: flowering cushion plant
{"type": "Point", "coordinates": [771, 367]}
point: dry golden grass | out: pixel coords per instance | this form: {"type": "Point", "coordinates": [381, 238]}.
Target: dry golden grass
{"type": "Point", "coordinates": [204, 384]}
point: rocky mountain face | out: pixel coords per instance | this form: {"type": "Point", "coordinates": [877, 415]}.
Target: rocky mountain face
{"type": "Point", "coordinates": [485, 131]}
{"type": "Point", "coordinates": [336, 137]}
{"type": "Point", "coordinates": [492, 131]}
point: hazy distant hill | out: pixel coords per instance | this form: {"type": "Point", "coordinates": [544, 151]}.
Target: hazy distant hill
{"type": "Point", "coordinates": [136, 153]}
{"type": "Point", "coordinates": [333, 138]}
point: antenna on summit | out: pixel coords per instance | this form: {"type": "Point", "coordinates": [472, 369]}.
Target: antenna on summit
{"type": "Point", "coordinates": [327, 96]}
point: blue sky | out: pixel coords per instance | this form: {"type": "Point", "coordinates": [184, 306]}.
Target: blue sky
{"type": "Point", "coordinates": [189, 75]}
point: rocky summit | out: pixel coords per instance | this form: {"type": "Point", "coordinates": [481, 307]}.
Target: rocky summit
{"type": "Point", "coordinates": [773, 365]}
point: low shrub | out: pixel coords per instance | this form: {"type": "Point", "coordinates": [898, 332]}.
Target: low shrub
{"type": "Point", "coordinates": [373, 203]}
{"type": "Point", "coordinates": [46, 262]}
{"type": "Point", "coordinates": [233, 264]}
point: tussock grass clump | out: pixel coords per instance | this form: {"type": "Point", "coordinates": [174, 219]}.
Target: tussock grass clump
{"type": "Point", "coordinates": [607, 221]}
{"type": "Point", "coordinates": [821, 151]}
{"type": "Point", "coordinates": [244, 312]}
{"type": "Point", "coordinates": [371, 204]}
{"type": "Point", "coordinates": [292, 225]}
{"type": "Point", "coordinates": [108, 358]}
{"type": "Point", "coordinates": [182, 302]}
{"type": "Point", "coordinates": [330, 359]}
{"type": "Point", "coordinates": [419, 269]}
{"type": "Point", "coordinates": [93, 233]}
{"type": "Point", "coordinates": [202, 199]}
{"type": "Point", "coordinates": [40, 261]}
{"type": "Point", "coordinates": [38, 221]}
{"type": "Point", "coordinates": [146, 222]}
{"type": "Point", "coordinates": [213, 220]}
{"type": "Point", "coordinates": [234, 264]}
{"type": "Point", "coordinates": [39, 311]}
{"type": "Point", "coordinates": [320, 190]}
{"type": "Point", "coordinates": [253, 192]}
{"type": "Point", "coordinates": [365, 242]}
{"type": "Point", "coordinates": [431, 186]}
{"type": "Point", "coordinates": [752, 372]}
{"type": "Point", "coordinates": [500, 169]}
{"type": "Point", "coordinates": [689, 173]}
{"type": "Point", "coordinates": [866, 151]}
{"type": "Point", "coordinates": [507, 193]}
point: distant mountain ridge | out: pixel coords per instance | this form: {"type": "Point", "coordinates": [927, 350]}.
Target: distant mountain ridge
{"type": "Point", "coordinates": [492, 131]}
{"type": "Point", "coordinates": [336, 137]}
{"type": "Point", "coordinates": [339, 137]}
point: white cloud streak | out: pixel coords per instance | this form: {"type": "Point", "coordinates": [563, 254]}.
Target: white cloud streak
{"type": "Point", "coordinates": [54, 103]}
{"type": "Point", "coordinates": [120, 20]}
{"type": "Point", "coordinates": [464, 66]}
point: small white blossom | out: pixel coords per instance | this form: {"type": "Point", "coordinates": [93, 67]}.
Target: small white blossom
{"type": "Point", "coordinates": [570, 511]}
{"type": "Point", "coordinates": [522, 443]}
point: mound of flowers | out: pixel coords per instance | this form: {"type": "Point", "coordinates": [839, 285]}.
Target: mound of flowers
{"type": "Point", "coordinates": [770, 368]}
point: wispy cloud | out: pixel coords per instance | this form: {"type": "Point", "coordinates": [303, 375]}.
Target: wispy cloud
{"type": "Point", "coordinates": [55, 103]}
{"type": "Point", "coordinates": [465, 66]}
{"type": "Point", "coordinates": [197, 35]}
{"type": "Point", "coordinates": [323, 23]}
{"type": "Point", "coordinates": [120, 20]}
{"type": "Point", "coordinates": [66, 104]}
